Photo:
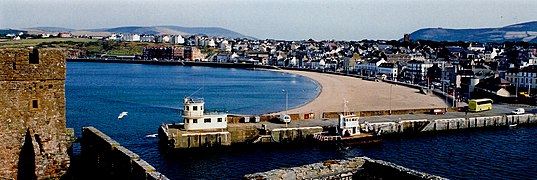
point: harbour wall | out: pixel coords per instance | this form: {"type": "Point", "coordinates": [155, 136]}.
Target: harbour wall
{"type": "Point", "coordinates": [424, 125]}
{"type": "Point", "coordinates": [249, 134]}
{"type": "Point", "coordinates": [173, 137]}
{"type": "Point", "coordinates": [354, 168]}
{"type": "Point", "coordinates": [104, 158]}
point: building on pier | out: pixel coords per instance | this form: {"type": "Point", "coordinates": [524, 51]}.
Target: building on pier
{"type": "Point", "coordinates": [195, 117]}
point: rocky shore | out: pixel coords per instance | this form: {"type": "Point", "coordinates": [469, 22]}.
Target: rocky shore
{"type": "Point", "coordinates": [354, 168]}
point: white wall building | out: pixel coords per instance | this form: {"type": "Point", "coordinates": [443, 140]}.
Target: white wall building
{"type": "Point", "coordinates": [417, 70]}
{"type": "Point", "coordinates": [131, 37]}
{"type": "Point", "coordinates": [526, 77]}
{"type": "Point", "coordinates": [389, 69]}
{"type": "Point", "coordinates": [177, 39]}
{"type": "Point", "coordinates": [195, 117]}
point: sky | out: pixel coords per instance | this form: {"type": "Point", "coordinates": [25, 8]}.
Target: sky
{"type": "Point", "coordinates": [275, 19]}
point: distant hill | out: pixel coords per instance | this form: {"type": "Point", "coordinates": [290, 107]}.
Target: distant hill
{"type": "Point", "coordinates": [52, 29]}
{"type": "Point", "coordinates": [518, 32]}
{"type": "Point", "coordinates": [209, 31]}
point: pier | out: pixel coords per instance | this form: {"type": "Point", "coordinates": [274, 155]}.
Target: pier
{"type": "Point", "coordinates": [300, 131]}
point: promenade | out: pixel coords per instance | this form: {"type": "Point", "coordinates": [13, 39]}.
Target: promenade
{"type": "Point", "coordinates": [362, 95]}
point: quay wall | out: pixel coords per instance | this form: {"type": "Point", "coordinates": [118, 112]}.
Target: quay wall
{"type": "Point", "coordinates": [242, 134]}
{"type": "Point", "coordinates": [292, 135]}
{"type": "Point", "coordinates": [354, 168]}
{"type": "Point", "coordinates": [424, 125]}
{"type": "Point", "coordinates": [195, 140]}
{"type": "Point", "coordinates": [104, 158]}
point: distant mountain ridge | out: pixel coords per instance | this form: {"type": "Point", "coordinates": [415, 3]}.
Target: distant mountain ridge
{"type": "Point", "coordinates": [157, 30]}
{"type": "Point", "coordinates": [526, 32]}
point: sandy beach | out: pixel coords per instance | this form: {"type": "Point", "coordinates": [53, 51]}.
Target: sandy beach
{"type": "Point", "coordinates": [362, 95]}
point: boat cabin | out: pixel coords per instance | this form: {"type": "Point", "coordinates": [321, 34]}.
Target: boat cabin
{"type": "Point", "coordinates": [349, 125]}
{"type": "Point", "coordinates": [195, 117]}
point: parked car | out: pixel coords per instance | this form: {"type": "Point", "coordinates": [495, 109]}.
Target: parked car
{"type": "Point", "coordinates": [438, 111]}
{"type": "Point", "coordinates": [518, 111]}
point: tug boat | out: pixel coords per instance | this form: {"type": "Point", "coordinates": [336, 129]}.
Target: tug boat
{"type": "Point", "coordinates": [349, 132]}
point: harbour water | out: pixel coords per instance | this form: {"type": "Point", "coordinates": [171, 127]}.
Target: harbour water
{"type": "Point", "coordinates": [96, 93]}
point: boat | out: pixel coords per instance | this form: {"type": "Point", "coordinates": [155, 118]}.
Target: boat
{"type": "Point", "coordinates": [349, 132]}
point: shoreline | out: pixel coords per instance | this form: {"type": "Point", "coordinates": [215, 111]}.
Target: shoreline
{"type": "Point", "coordinates": [360, 95]}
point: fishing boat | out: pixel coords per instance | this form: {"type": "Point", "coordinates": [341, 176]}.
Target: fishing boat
{"type": "Point", "coordinates": [349, 132]}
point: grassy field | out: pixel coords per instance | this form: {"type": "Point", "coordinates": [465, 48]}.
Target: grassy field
{"type": "Point", "coordinates": [4, 43]}
{"type": "Point", "coordinates": [91, 47]}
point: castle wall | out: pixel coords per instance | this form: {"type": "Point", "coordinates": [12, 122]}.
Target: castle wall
{"type": "Point", "coordinates": [32, 110]}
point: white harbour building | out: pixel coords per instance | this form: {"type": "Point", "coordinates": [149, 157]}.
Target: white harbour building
{"type": "Point", "coordinates": [195, 117]}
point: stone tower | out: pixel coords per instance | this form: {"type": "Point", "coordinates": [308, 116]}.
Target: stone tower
{"type": "Point", "coordinates": [33, 134]}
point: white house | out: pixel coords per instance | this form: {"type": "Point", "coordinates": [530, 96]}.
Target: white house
{"type": "Point", "coordinates": [223, 57]}
{"type": "Point", "coordinates": [524, 78]}
{"type": "Point", "coordinates": [147, 38]}
{"type": "Point", "coordinates": [389, 69]}
{"type": "Point", "coordinates": [131, 37]}
{"type": "Point", "coordinates": [195, 117]}
{"type": "Point", "coordinates": [417, 70]}
{"type": "Point", "coordinates": [163, 39]}
{"type": "Point", "coordinates": [177, 39]}
{"type": "Point", "coordinates": [369, 68]}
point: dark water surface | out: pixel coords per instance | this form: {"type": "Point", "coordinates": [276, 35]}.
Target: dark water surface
{"type": "Point", "coordinates": [96, 93]}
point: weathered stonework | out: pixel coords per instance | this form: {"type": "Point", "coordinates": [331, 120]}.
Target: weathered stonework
{"type": "Point", "coordinates": [33, 134]}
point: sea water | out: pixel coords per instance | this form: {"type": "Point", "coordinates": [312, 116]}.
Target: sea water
{"type": "Point", "coordinates": [97, 93]}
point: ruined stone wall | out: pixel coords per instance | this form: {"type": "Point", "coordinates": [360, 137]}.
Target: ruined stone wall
{"type": "Point", "coordinates": [32, 110]}
{"type": "Point", "coordinates": [104, 158]}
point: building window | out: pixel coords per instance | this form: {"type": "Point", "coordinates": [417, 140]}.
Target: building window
{"type": "Point", "coordinates": [207, 120]}
{"type": "Point", "coordinates": [219, 119]}
{"type": "Point", "coordinates": [195, 108]}
{"type": "Point", "coordinates": [186, 108]}
{"type": "Point", "coordinates": [194, 120]}
{"type": "Point", "coordinates": [35, 104]}
{"type": "Point", "coordinates": [187, 121]}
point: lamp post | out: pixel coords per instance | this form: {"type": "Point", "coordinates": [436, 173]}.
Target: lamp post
{"type": "Point", "coordinates": [286, 100]}
{"type": "Point", "coordinates": [391, 85]}
{"type": "Point", "coordinates": [445, 94]}
{"type": "Point", "coordinates": [286, 105]}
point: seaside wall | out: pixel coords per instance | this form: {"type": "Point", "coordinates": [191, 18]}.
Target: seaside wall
{"type": "Point", "coordinates": [354, 168]}
{"type": "Point", "coordinates": [424, 125]}
{"type": "Point", "coordinates": [35, 140]}
{"type": "Point", "coordinates": [242, 134]}
{"type": "Point", "coordinates": [104, 158]}
{"type": "Point", "coordinates": [196, 140]}
{"type": "Point", "coordinates": [288, 135]}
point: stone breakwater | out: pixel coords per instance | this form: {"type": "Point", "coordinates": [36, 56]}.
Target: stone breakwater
{"type": "Point", "coordinates": [355, 168]}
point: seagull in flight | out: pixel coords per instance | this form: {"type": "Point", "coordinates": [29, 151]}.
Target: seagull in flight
{"type": "Point", "coordinates": [121, 115]}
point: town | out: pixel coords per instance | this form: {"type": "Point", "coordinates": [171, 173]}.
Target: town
{"type": "Point", "coordinates": [505, 72]}
{"type": "Point", "coordinates": [457, 70]}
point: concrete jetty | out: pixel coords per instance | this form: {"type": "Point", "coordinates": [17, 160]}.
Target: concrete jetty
{"type": "Point", "coordinates": [301, 131]}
